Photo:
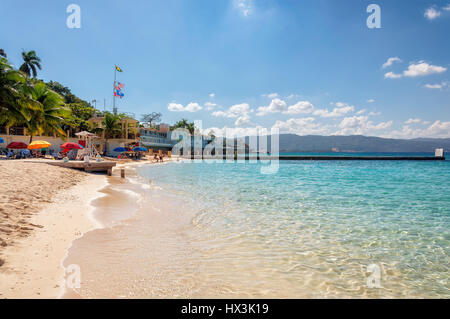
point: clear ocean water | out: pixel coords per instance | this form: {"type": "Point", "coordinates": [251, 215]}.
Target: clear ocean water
{"type": "Point", "coordinates": [311, 230]}
{"type": "Point", "coordinates": [318, 225]}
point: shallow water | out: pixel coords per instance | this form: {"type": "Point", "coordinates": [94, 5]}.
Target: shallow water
{"type": "Point", "coordinates": [308, 231]}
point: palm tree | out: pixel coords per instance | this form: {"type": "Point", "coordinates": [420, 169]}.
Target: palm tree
{"type": "Point", "coordinates": [30, 62]}
{"type": "Point", "coordinates": [15, 95]}
{"type": "Point", "coordinates": [2, 53]}
{"type": "Point", "coordinates": [51, 114]}
{"type": "Point", "coordinates": [111, 126]}
{"type": "Point", "coordinates": [183, 123]}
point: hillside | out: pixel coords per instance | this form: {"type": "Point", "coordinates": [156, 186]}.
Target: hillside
{"type": "Point", "coordinates": [358, 143]}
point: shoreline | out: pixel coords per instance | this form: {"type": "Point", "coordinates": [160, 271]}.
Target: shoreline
{"type": "Point", "coordinates": [33, 266]}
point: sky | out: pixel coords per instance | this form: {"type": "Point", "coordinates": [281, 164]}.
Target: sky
{"type": "Point", "coordinates": [302, 67]}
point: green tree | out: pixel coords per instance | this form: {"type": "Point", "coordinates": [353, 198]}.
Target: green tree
{"type": "Point", "coordinates": [81, 111]}
{"type": "Point", "coordinates": [2, 53]}
{"type": "Point", "coordinates": [31, 62]}
{"type": "Point", "coordinates": [111, 127]}
{"type": "Point", "coordinates": [15, 95]}
{"type": "Point", "coordinates": [51, 114]}
{"type": "Point", "coordinates": [183, 123]}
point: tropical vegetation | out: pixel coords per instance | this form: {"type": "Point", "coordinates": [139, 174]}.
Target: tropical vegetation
{"type": "Point", "coordinates": [39, 107]}
{"type": "Point", "coordinates": [183, 123]}
{"type": "Point", "coordinates": [51, 108]}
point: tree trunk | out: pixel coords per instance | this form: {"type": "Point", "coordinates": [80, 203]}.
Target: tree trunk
{"type": "Point", "coordinates": [31, 138]}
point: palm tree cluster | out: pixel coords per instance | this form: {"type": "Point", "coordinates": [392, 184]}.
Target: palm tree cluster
{"type": "Point", "coordinates": [33, 104]}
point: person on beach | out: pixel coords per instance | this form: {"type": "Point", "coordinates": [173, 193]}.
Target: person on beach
{"type": "Point", "coordinates": [161, 158]}
{"type": "Point", "coordinates": [156, 158]}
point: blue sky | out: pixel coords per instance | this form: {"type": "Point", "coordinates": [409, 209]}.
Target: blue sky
{"type": "Point", "coordinates": [304, 67]}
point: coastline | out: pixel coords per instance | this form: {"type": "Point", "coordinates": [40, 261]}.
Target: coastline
{"type": "Point", "coordinates": [33, 266]}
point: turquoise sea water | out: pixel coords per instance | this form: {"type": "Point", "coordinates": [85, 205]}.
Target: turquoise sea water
{"type": "Point", "coordinates": [313, 228]}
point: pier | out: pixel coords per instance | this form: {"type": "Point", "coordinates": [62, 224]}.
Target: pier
{"type": "Point", "coordinates": [91, 166]}
{"type": "Point", "coordinates": [320, 158]}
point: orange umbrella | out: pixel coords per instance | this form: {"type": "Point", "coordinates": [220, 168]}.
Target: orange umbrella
{"type": "Point", "coordinates": [37, 145]}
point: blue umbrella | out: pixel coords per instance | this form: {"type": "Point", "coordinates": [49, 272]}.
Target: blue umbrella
{"type": "Point", "coordinates": [1, 140]}
{"type": "Point", "coordinates": [120, 149]}
{"type": "Point", "coordinates": [140, 149]}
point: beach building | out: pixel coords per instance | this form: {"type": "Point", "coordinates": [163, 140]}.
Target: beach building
{"type": "Point", "coordinates": [157, 138]}
{"type": "Point", "coordinates": [128, 134]}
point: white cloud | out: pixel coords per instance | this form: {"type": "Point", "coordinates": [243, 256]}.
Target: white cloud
{"type": "Point", "coordinates": [413, 121]}
{"type": "Point", "coordinates": [242, 120]}
{"type": "Point", "coordinates": [371, 101]}
{"type": "Point", "coordinates": [210, 106]}
{"type": "Point", "coordinates": [240, 108]}
{"type": "Point", "coordinates": [244, 6]}
{"type": "Point", "coordinates": [341, 109]}
{"type": "Point", "coordinates": [237, 131]}
{"type": "Point", "coordinates": [420, 69]}
{"type": "Point", "coordinates": [359, 125]}
{"type": "Point", "coordinates": [361, 112]}
{"type": "Point", "coordinates": [436, 86]}
{"type": "Point", "coordinates": [391, 61]}
{"type": "Point", "coordinates": [438, 129]}
{"type": "Point", "coordinates": [276, 106]}
{"type": "Point", "coordinates": [392, 75]}
{"type": "Point", "coordinates": [432, 13]}
{"type": "Point", "coordinates": [301, 126]}
{"type": "Point", "coordinates": [240, 111]}
{"type": "Point", "coordinates": [446, 8]}
{"type": "Point", "coordinates": [174, 107]}
{"type": "Point", "coordinates": [301, 107]}
{"type": "Point", "coordinates": [191, 107]}
{"type": "Point", "coordinates": [224, 114]}
{"type": "Point", "coordinates": [271, 95]}
{"type": "Point", "coordinates": [212, 95]}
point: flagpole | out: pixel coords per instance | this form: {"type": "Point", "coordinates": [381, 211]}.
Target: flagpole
{"type": "Point", "coordinates": [114, 88]}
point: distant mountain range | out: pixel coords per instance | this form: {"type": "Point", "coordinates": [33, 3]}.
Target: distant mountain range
{"type": "Point", "coordinates": [357, 143]}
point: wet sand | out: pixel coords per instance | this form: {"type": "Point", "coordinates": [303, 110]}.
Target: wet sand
{"type": "Point", "coordinates": [44, 208]}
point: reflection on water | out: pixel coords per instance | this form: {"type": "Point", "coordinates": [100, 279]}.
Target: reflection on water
{"type": "Point", "coordinates": [224, 230]}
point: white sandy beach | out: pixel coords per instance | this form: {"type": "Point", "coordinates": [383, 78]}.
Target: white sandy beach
{"type": "Point", "coordinates": [44, 208]}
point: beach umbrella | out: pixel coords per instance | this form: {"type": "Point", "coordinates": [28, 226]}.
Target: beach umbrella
{"type": "Point", "coordinates": [72, 146]}
{"type": "Point", "coordinates": [140, 149]}
{"type": "Point", "coordinates": [16, 145]}
{"type": "Point", "coordinates": [120, 149]}
{"type": "Point", "coordinates": [37, 145]}
{"type": "Point", "coordinates": [1, 140]}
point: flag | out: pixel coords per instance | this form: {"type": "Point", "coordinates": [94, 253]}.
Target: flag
{"type": "Point", "coordinates": [118, 69]}
{"type": "Point", "coordinates": [118, 93]}
{"type": "Point", "coordinates": [121, 85]}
